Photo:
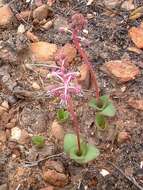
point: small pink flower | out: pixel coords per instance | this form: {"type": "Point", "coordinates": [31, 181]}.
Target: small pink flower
{"type": "Point", "coordinates": [66, 86]}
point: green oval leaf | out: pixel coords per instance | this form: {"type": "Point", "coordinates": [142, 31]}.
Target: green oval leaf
{"type": "Point", "coordinates": [101, 122]}
{"type": "Point", "coordinates": [109, 110]}
{"type": "Point", "coordinates": [88, 152]}
{"type": "Point", "coordinates": [39, 141]}
{"type": "Point", "coordinates": [62, 115]}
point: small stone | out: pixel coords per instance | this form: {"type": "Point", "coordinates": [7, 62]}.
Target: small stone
{"type": "Point", "coordinates": [55, 178]}
{"type": "Point", "coordinates": [57, 131]}
{"type": "Point", "coordinates": [21, 29]}
{"type": "Point", "coordinates": [84, 78]}
{"type": "Point", "coordinates": [48, 25]}
{"type": "Point", "coordinates": [122, 70]}
{"type": "Point", "coordinates": [53, 173]}
{"type": "Point", "coordinates": [136, 35]}
{"type": "Point", "coordinates": [35, 86]}
{"type": "Point", "coordinates": [69, 51]}
{"type": "Point", "coordinates": [128, 5]}
{"type": "Point", "coordinates": [122, 137]}
{"type": "Point", "coordinates": [6, 16]}
{"type": "Point", "coordinates": [137, 104]}
{"type": "Point", "coordinates": [104, 172]}
{"type": "Point", "coordinates": [5, 105]}
{"type": "Point", "coordinates": [123, 88]}
{"type": "Point", "coordinates": [43, 51]}
{"type": "Point", "coordinates": [111, 3]}
{"type": "Point", "coordinates": [42, 12]}
{"type": "Point", "coordinates": [15, 133]}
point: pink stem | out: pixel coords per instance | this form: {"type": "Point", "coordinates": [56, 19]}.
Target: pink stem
{"type": "Point", "coordinates": [86, 61]}
{"type": "Point", "coordinates": [75, 123]}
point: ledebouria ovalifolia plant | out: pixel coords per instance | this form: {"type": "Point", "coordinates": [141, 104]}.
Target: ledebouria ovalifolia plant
{"type": "Point", "coordinates": [75, 146]}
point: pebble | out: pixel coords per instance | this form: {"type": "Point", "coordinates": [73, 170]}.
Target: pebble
{"type": "Point", "coordinates": [122, 137]}
{"type": "Point", "coordinates": [15, 133]}
{"type": "Point", "coordinates": [84, 78]}
{"type": "Point", "coordinates": [42, 12]}
{"type": "Point", "coordinates": [48, 25]}
{"type": "Point", "coordinates": [121, 70]}
{"type": "Point", "coordinates": [104, 172]}
{"type": "Point", "coordinates": [69, 51]}
{"type": "Point", "coordinates": [57, 131]}
{"type": "Point", "coordinates": [111, 3]}
{"type": "Point", "coordinates": [53, 177]}
{"type": "Point", "coordinates": [136, 35]}
{"type": "Point", "coordinates": [43, 51]}
{"type": "Point", "coordinates": [21, 29]}
{"type": "Point", "coordinates": [5, 105]}
{"type": "Point", "coordinates": [128, 5]}
{"type": "Point", "coordinates": [6, 16]}
{"type": "Point", "coordinates": [35, 86]}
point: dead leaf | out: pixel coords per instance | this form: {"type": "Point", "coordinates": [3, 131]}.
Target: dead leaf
{"type": "Point", "coordinates": [137, 13]}
{"type": "Point", "coordinates": [135, 50]}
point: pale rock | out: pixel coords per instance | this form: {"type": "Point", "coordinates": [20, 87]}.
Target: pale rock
{"type": "Point", "coordinates": [54, 177]}
{"type": "Point", "coordinates": [121, 70]}
{"type": "Point", "coordinates": [35, 86]}
{"type": "Point", "coordinates": [69, 52]}
{"type": "Point", "coordinates": [122, 137]}
{"type": "Point", "coordinates": [41, 12]}
{"type": "Point", "coordinates": [136, 35]}
{"type": "Point", "coordinates": [48, 25]}
{"type": "Point", "coordinates": [21, 29]}
{"type": "Point", "coordinates": [104, 172]}
{"type": "Point", "coordinates": [111, 3]}
{"type": "Point", "coordinates": [15, 133]}
{"type": "Point", "coordinates": [57, 131]}
{"type": "Point", "coordinates": [128, 5]}
{"type": "Point", "coordinates": [6, 16]}
{"type": "Point", "coordinates": [43, 51]}
{"type": "Point", "coordinates": [5, 105]}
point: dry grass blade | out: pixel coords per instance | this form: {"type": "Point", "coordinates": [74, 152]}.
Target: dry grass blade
{"type": "Point", "coordinates": [137, 13]}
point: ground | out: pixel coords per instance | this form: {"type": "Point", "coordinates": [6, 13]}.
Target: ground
{"type": "Point", "coordinates": [25, 107]}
